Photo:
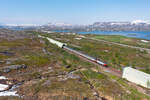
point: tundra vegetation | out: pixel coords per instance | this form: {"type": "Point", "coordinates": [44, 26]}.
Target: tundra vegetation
{"type": "Point", "coordinates": [54, 74]}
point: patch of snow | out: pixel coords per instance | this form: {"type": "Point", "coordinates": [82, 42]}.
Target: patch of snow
{"type": "Point", "coordinates": [3, 78]}
{"type": "Point", "coordinates": [3, 87]}
{"type": "Point", "coordinates": [47, 31]}
{"type": "Point", "coordinates": [59, 24]}
{"type": "Point", "coordinates": [25, 25]}
{"type": "Point", "coordinates": [9, 93]}
{"type": "Point", "coordinates": [78, 38]}
{"type": "Point", "coordinates": [140, 21]}
{"type": "Point", "coordinates": [119, 23]}
{"type": "Point", "coordinates": [81, 36]}
{"type": "Point", "coordinates": [145, 41]}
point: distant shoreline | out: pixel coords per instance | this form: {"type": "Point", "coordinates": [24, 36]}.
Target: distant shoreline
{"type": "Point", "coordinates": [135, 34]}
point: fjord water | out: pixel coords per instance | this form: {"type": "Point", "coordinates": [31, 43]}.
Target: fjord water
{"type": "Point", "coordinates": [141, 35]}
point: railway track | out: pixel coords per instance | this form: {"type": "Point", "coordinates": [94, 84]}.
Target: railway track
{"type": "Point", "coordinates": [86, 57]}
{"type": "Point", "coordinates": [104, 68]}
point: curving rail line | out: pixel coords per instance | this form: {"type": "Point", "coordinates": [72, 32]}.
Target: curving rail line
{"type": "Point", "coordinates": [103, 65]}
{"type": "Point", "coordinates": [86, 56]}
{"type": "Point", "coordinates": [93, 60]}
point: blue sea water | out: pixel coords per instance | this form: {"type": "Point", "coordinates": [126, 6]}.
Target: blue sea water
{"type": "Point", "coordinates": [141, 35]}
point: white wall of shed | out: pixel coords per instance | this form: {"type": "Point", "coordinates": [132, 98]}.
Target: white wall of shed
{"type": "Point", "coordinates": [136, 76]}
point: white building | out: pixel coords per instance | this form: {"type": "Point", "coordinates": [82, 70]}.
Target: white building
{"type": "Point", "coordinates": [59, 44]}
{"type": "Point", "coordinates": [136, 76]}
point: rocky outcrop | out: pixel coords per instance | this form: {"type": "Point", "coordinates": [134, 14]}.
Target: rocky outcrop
{"type": "Point", "coordinates": [7, 69]}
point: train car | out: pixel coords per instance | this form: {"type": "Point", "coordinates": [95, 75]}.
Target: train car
{"type": "Point", "coordinates": [90, 58]}
{"type": "Point", "coordinates": [101, 63]}
{"type": "Point", "coordinates": [95, 60]}
{"type": "Point", "coordinates": [86, 56]}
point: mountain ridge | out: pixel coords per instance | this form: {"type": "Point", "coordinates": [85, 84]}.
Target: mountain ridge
{"type": "Point", "coordinates": [137, 25]}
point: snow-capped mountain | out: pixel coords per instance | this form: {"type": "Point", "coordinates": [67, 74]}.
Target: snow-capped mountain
{"type": "Point", "coordinates": [140, 22]}
{"type": "Point", "coordinates": [58, 24]}
{"type": "Point", "coordinates": [137, 25]}
{"type": "Point", "coordinates": [22, 25]}
{"type": "Point", "coordinates": [136, 22]}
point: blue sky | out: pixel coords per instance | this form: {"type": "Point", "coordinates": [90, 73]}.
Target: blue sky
{"type": "Point", "coordinates": [72, 11]}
